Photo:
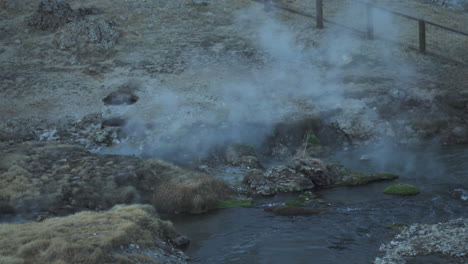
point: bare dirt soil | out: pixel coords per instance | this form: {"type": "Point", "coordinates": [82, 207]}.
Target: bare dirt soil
{"type": "Point", "coordinates": [188, 62]}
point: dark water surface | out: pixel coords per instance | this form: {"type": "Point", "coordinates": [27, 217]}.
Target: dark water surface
{"type": "Point", "coordinates": [353, 227]}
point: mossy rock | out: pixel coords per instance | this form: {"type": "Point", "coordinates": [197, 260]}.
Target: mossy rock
{"type": "Point", "coordinates": [386, 176]}
{"type": "Point", "coordinates": [293, 203]}
{"type": "Point", "coordinates": [234, 203]}
{"type": "Point", "coordinates": [402, 189]}
{"type": "Point", "coordinates": [360, 178]}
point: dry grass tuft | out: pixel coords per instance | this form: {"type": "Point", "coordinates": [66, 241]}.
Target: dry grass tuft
{"type": "Point", "coordinates": [46, 177]}
{"type": "Point", "coordinates": [86, 237]}
{"type": "Point", "coordinates": [195, 195]}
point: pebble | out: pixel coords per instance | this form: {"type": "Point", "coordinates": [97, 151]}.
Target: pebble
{"type": "Point", "coordinates": [18, 41]}
{"type": "Point", "coordinates": [2, 50]}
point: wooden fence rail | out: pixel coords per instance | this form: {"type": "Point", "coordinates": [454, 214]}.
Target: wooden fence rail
{"type": "Point", "coordinates": [369, 31]}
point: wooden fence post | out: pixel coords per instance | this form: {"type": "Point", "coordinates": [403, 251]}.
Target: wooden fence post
{"type": "Point", "coordinates": [370, 22]}
{"type": "Point", "coordinates": [319, 9]}
{"type": "Point", "coordinates": [422, 36]}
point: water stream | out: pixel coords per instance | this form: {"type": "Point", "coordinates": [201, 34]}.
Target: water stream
{"type": "Point", "coordinates": [353, 227]}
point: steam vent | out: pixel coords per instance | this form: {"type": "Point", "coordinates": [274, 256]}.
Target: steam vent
{"type": "Point", "coordinates": [227, 132]}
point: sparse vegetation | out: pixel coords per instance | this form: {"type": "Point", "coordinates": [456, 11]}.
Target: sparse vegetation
{"type": "Point", "coordinates": [396, 226]}
{"type": "Point", "coordinates": [87, 237]}
{"type": "Point", "coordinates": [311, 138]}
{"type": "Point", "coordinates": [386, 176]}
{"type": "Point", "coordinates": [39, 176]}
{"type": "Point", "coordinates": [402, 189]}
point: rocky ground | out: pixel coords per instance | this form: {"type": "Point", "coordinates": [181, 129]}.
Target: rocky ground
{"type": "Point", "coordinates": [446, 238]}
{"type": "Point", "coordinates": [211, 86]}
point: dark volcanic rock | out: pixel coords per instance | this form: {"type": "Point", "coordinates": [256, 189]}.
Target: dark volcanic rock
{"type": "Point", "coordinates": [179, 241]}
{"type": "Point", "coordinates": [120, 98]}
{"type": "Point", "coordinates": [51, 15]}
{"type": "Point", "coordinates": [256, 181]}
{"type": "Point", "coordinates": [87, 36]}
{"type": "Point", "coordinates": [242, 155]}
{"type": "Point", "coordinates": [288, 179]}
{"type": "Point", "coordinates": [315, 170]}
{"type": "Point", "coordinates": [277, 179]}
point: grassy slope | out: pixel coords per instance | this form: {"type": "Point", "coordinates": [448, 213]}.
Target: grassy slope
{"type": "Point", "coordinates": [43, 176]}
{"type": "Point", "coordinates": [86, 237]}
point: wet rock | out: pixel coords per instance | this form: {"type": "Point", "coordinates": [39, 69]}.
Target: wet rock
{"type": "Point", "coordinates": [242, 155]}
{"type": "Point", "coordinates": [120, 98]}
{"type": "Point", "coordinates": [87, 36]}
{"type": "Point", "coordinates": [51, 15]}
{"type": "Point", "coordinates": [315, 170]}
{"type": "Point", "coordinates": [256, 181]}
{"type": "Point", "coordinates": [303, 174]}
{"type": "Point", "coordinates": [287, 179]}
{"type": "Point", "coordinates": [443, 239]}
{"type": "Point", "coordinates": [181, 242]}
{"type": "Point", "coordinates": [285, 210]}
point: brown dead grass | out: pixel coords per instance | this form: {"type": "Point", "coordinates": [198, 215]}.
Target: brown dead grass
{"type": "Point", "coordinates": [86, 237]}
{"type": "Point", "coordinates": [44, 177]}
{"type": "Point", "coordinates": [195, 195]}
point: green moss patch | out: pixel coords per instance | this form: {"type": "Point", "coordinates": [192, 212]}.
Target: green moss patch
{"type": "Point", "coordinates": [386, 176]}
{"type": "Point", "coordinates": [402, 189]}
{"type": "Point", "coordinates": [234, 203]}
{"type": "Point", "coordinates": [396, 226]}
{"type": "Point", "coordinates": [312, 139]}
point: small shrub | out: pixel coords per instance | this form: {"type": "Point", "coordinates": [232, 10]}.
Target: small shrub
{"type": "Point", "coordinates": [312, 139]}
{"type": "Point", "coordinates": [402, 189]}
{"type": "Point", "coordinates": [194, 195]}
